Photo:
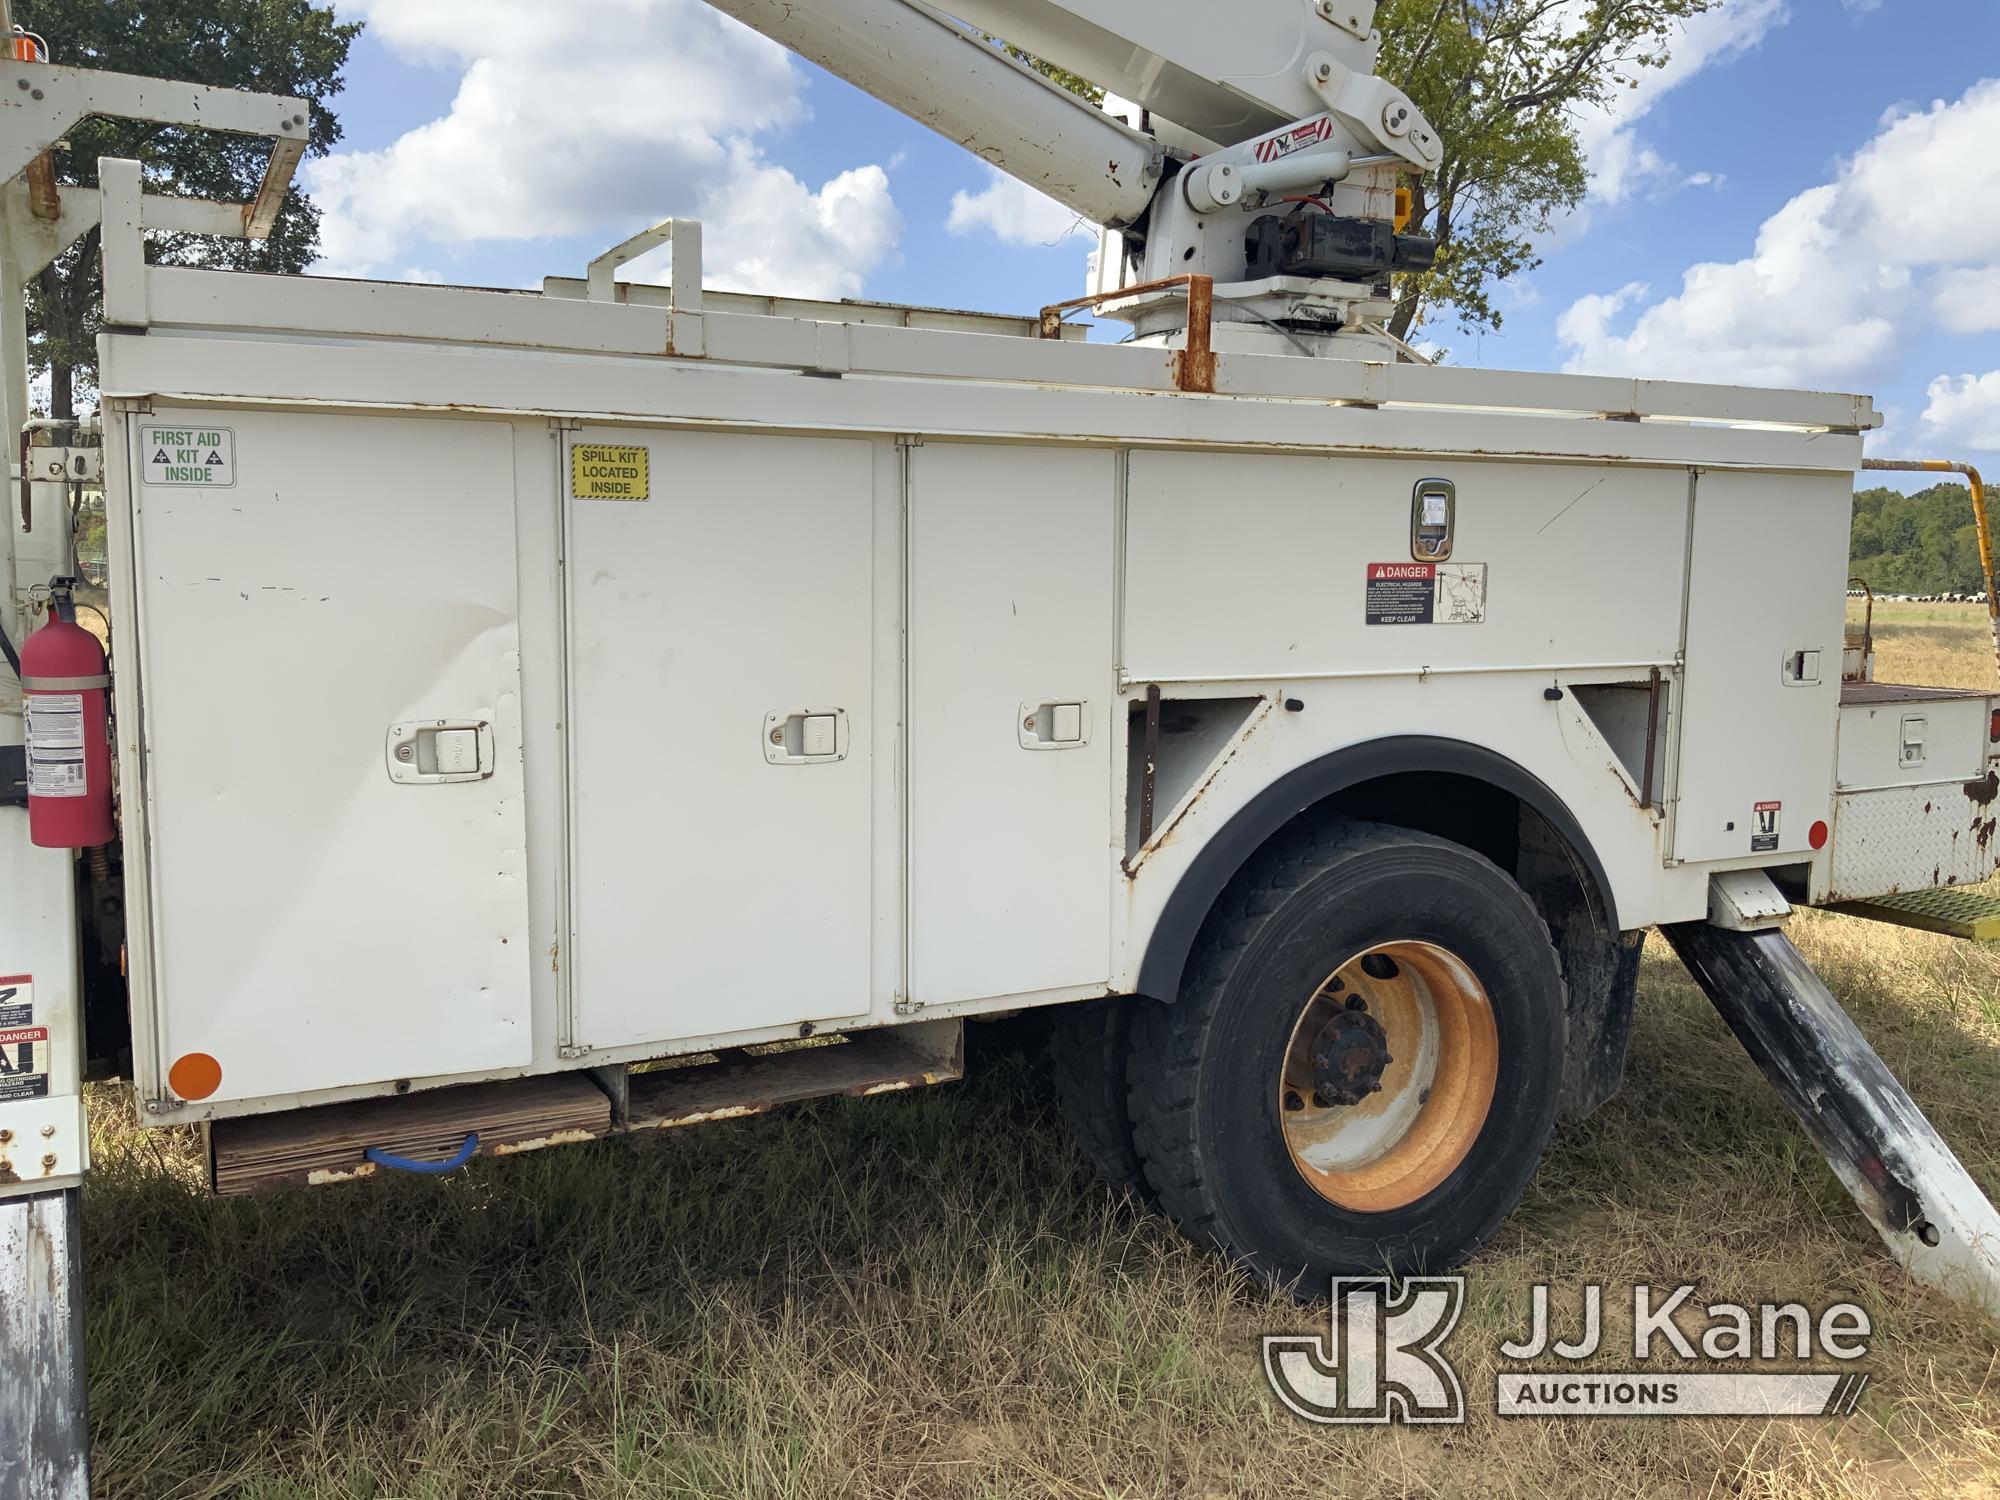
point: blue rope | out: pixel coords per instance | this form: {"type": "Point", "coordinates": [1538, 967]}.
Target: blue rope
{"type": "Point", "coordinates": [395, 1163]}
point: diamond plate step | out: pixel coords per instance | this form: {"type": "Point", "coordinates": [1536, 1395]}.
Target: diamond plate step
{"type": "Point", "coordinates": [1963, 913]}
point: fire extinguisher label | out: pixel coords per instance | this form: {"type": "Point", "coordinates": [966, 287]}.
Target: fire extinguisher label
{"type": "Point", "coordinates": [24, 1046]}
{"type": "Point", "coordinates": [55, 745]}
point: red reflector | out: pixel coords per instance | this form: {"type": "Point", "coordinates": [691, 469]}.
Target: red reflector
{"type": "Point", "coordinates": [1817, 835]}
{"type": "Point", "coordinates": [1993, 729]}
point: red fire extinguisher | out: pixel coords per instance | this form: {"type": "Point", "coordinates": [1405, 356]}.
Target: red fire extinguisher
{"type": "Point", "coordinates": [66, 689]}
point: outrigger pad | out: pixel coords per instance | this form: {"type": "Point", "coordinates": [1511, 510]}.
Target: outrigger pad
{"type": "Point", "coordinates": [1926, 1207]}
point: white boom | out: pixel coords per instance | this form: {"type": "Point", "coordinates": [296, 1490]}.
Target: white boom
{"type": "Point", "coordinates": [1224, 82]}
{"type": "Point", "coordinates": [943, 77]}
{"type": "Point", "coordinates": [1292, 210]}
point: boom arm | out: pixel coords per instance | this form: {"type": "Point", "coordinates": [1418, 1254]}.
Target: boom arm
{"type": "Point", "coordinates": [941, 76]}
{"type": "Point", "coordinates": [1280, 189]}
{"type": "Point", "coordinates": [1223, 72]}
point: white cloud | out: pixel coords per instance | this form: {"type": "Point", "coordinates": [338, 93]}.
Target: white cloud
{"type": "Point", "coordinates": [1964, 412]}
{"type": "Point", "coordinates": [552, 134]}
{"type": "Point", "coordinates": [1621, 164]}
{"type": "Point", "coordinates": [1968, 300]}
{"type": "Point", "coordinates": [780, 236]}
{"type": "Point", "coordinates": [1016, 213]}
{"type": "Point", "coordinates": [1835, 282]}
{"type": "Point", "coordinates": [1862, 7]}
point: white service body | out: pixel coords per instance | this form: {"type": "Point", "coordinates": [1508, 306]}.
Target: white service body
{"type": "Point", "coordinates": [826, 718]}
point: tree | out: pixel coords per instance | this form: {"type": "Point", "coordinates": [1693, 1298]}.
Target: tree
{"type": "Point", "coordinates": [274, 46]}
{"type": "Point", "coordinates": [1926, 543]}
{"type": "Point", "coordinates": [1502, 82]}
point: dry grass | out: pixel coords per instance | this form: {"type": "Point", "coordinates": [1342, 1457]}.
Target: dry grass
{"type": "Point", "coordinates": [1938, 645]}
{"type": "Point", "coordinates": [929, 1295]}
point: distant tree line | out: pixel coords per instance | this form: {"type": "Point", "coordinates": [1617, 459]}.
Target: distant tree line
{"type": "Point", "coordinates": [1925, 543]}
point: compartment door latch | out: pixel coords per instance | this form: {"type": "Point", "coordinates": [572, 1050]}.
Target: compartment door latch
{"type": "Point", "coordinates": [806, 736]}
{"type": "Point", "coordinates": [430, 752]}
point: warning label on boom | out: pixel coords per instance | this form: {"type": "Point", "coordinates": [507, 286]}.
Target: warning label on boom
{"type": "Point", "coordinates": [24, 1046]}
{"type": "Point", "coordinates": [1427, 593]}
{"type": "Point", "coordinates": [598, 473]}
{"type": "Point", "coordinates": [189, 455]}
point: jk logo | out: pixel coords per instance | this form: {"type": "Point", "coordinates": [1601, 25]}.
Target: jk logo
{"type": "Point", "coordinates": [1380, 1361]}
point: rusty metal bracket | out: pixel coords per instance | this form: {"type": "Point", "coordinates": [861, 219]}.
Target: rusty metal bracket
{"type": "Point", "coordinates": [1867, 623]}
{"type": "Point", "coordinates": [1979, 518]}
{"type": "Point", "coordinates": [1195, 365]}
{"type": "Point", "coordinates": [1653, 687]}
{"type": "Point", "coordinates": [1151, 773]}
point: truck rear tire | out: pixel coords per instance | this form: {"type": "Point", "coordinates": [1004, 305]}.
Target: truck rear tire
{"type": "Point", "coordinates": [1087, 1049]}
{"type": "Point", "coordinates": [1364, 1064]}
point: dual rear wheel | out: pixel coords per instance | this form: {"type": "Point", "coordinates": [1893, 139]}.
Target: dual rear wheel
{"type": "Point", "coordinates": [1362, 1069]}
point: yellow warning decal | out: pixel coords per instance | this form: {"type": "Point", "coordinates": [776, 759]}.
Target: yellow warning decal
{"type": "Point", "coordinates": [599, 473]}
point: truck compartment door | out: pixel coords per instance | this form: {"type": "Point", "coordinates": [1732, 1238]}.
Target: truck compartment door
{"type": "Point", "coordinates": [1012, 852]}
{"type": "Point", "coordinates": [323, 913]}
{"type": "Point", "coordinates": [720, 594]}
{"type": "Point", "coordinates": [1767, 594]}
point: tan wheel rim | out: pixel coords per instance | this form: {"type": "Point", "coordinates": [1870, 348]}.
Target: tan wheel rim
{"type": "Point", "coordinates": [1388, 1076]}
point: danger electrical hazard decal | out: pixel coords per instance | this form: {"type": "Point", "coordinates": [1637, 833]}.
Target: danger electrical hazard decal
{"type": "Point", "coordinates": [1298, 138]}
{"type": "Point", "coordinates": [24, 1046]}
{"type": "Point", "coordinates": [182, 456]}
{"type": "Point", "coordinates": [1764, 827]}
{"type": "Point", "coordinates": [1427, 593]}
{"type": "Point", "coordinates": [600, 473]}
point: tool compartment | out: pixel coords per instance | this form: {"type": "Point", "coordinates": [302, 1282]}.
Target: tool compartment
{"type": "Point", "coordinates": [1914, 801]}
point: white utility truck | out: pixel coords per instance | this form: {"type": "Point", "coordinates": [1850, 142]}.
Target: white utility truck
{"type": "Point", "coordinates": [515, 692]}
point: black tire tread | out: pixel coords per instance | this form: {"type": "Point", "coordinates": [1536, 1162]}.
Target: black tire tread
{"type": "Point", "coordinates": [1087, 1051]}
{"type": "Point", "coordinates": [1168, 1042]}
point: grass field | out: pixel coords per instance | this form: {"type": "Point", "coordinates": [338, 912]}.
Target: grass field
{"type": "Point", "coordinates": [930, 1296]}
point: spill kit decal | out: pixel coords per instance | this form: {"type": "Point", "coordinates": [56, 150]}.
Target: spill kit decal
{"type": "Point", "coordinates": [24, 1046]}
{"type": "Point", "coordinates": [1427, 593]}
{"type": "Point", "coordinates": [597, 472]}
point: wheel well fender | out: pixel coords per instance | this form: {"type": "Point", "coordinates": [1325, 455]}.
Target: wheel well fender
{"type": "Point", "coordinates": [1344, 777]}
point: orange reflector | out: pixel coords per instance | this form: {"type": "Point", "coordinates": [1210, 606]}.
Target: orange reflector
{"type": "Point", "coordinates": [25, 50]}
{"type": "Point", "coordinates": [1405, 203]}
{"type": "Point", "coordinates": [195, 1076]}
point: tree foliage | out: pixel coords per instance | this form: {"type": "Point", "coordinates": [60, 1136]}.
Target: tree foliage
{"type": "Point", "coordinates": [274, 46]}
{"type": "Point", "coordinates": [1924, 543]}
{"type": "Point", "coordinates": [1076, 83]}
{"type": "Point", "coordinates": [1503, 82]}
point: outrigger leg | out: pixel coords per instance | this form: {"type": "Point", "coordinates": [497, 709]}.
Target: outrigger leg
{"type": "Point", "coordinates": [1926, 1207]}
{"type": "Point", "coordinates": [44, 1449]}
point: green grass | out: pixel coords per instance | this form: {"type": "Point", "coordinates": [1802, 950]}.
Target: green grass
{"type": "Point", "coordinates": [929, 1295]}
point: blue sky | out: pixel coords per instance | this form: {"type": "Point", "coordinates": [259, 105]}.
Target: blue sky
{"type": "Point", "coordinates": [1808, 195]}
